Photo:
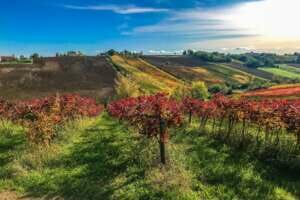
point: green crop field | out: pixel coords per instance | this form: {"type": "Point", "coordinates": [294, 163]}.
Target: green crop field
{"type": "Point", "coordinates": [283, 71]}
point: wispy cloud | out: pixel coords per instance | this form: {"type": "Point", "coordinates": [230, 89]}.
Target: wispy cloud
{"type": "Point", "coordinates": [245, 19]}
{"type": "Point", "coordinates": [129, 9]}
{"type": "Point", "coordinates": [195, 23]}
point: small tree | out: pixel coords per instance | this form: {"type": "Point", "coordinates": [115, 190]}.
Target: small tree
{"type": "Point", "coordinates": [215, 88]}
{"type": "Point", "coordinates": [125, 87]}
{"type": "Point", "coordinates": [34, 56]}
{"type": "Point", "coordinates": [218, 88]}
{"type": "Point", "coordinates": [181, 92]}
{"type": "Point", "coordinates": [199, 90]}
{"type": "Point", "coordinates": [111, 52]}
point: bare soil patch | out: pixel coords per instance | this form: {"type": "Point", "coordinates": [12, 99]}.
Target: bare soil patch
{"type": "Point", "coordinates": [91, 76]}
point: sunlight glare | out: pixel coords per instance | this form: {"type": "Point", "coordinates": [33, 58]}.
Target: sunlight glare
{"type": "Point", "coordinates": [276, 19]}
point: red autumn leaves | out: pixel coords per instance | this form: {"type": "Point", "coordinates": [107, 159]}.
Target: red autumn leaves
{"type": "Point", "coordinates": [42, 116]}
{"type": "Point", "coordinates": [70, 106]}
{"type": "Point", "coordinates": [148, 113]}
{"type": "Point", "coordinates": [271, 116]}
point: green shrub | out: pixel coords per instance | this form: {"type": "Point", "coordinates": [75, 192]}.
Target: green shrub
{"type": "Point", "coordinates": [218, 88]}
{"type": "Point", "coordinates": [199, 90]}
{"type": "Point", "coordinates": [180, 92]}
{"type": "Point", "coordinates": [126, 87]}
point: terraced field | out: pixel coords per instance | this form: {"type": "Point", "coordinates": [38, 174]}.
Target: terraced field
{"type": "Point", "coordinates": [192, 68]}
{"type": "Point", "coordinates": [149, 77]}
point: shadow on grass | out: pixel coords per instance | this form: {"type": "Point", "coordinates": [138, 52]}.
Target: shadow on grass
{"type": "Point", "coordinates": [94, 167]}
{"type": "Point", "coordinates": [11, 141]}
{"type": "Point", "coordinates": [230, 174]}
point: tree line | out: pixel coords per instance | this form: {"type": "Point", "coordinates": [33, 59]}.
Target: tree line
{"type": "Point", "coordinates": [252, 59]}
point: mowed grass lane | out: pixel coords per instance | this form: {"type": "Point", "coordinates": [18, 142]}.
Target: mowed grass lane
{"type": "Point", "coordinates": [102, 159]}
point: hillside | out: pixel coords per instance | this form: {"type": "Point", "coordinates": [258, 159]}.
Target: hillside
{"type": "Point", "coordinates": [95, 76]}
{"type": "Point", "coordinates": [92, 76]}
{"type": "Point", "coordinates": [192, 68]}
{"type": "Point", "coordinates": [147, 76]}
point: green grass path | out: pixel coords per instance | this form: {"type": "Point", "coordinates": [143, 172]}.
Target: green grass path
{"type": "Point", "coordinates": [93, 159]}
{"type": "Point", "coordinates": [102, 159]}
{"type": "Point", "coordinates": [225, 173]}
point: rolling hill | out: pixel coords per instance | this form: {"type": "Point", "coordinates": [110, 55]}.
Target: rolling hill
{"type": "Point", "coordinates": [95, 76]}
{"type": "Point", "coordinates": [192, 68]}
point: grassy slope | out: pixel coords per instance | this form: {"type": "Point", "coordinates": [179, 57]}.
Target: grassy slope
{"type": "Point", "coordinates": [222, 73]}
{"type": "Point", "coordinates": [146, 75]}
{"type": "Point", "coordinates": [283, 71]}
{"type": "Point", "coordinates": [231, 75]}
{"type": "Point", "coordinates": [101, 159]}
{"type": "Point", "coordinates": [255, 72]}
{"type": "Point", "coordinates": [290, 68]}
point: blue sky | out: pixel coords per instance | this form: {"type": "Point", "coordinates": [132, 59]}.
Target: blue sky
{"type": "Point", "coordinates": [152, 26]}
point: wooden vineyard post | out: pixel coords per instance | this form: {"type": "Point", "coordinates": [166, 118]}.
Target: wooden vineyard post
{"type": "Point", "coordinates": [163, 138]}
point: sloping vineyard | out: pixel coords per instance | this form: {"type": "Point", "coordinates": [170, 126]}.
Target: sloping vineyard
{"type": "Point", "coordinates": [270, 125]}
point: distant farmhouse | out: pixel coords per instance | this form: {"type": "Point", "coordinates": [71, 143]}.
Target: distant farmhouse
{"type": "Point", "coordinates": [8, 58]}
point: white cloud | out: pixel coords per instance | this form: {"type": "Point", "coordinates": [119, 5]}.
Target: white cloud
{"type": "Point", "coordinates": [164, 52]}
{"type": "Point", "coordinates": [130, 9]}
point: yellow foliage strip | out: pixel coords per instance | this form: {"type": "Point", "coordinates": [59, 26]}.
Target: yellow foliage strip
{"type": "Point", "coordinates": [206, 76]}
{"type": "Point", "coordinates": [285, 86]}
{"type": "Point", "coordinates": [144, 72]}
{"type": "Point", "coordinates": [241, 79]}
{"type": "Point", "coordinates": [154, 72]}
